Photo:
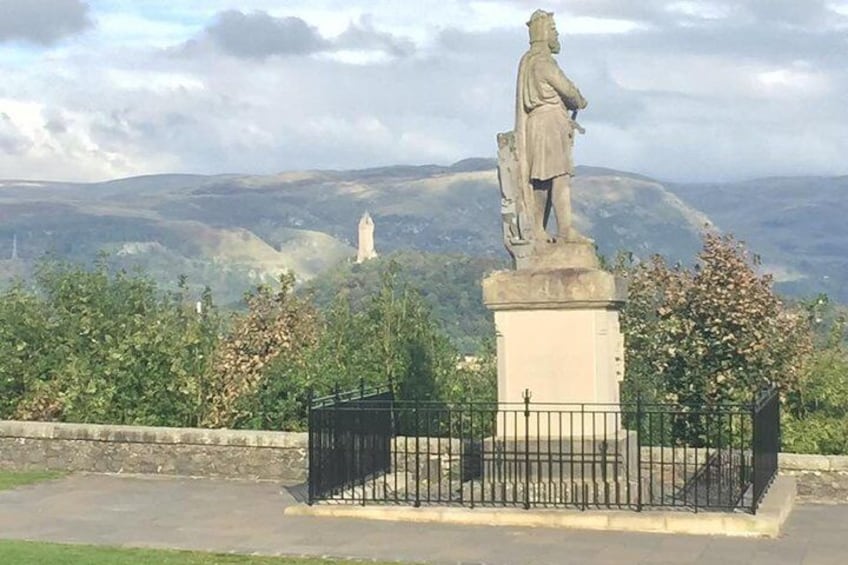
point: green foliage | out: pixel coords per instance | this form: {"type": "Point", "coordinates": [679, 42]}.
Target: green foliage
{"type": "Point", "coordinates": [815, 419]}
{"type": "Point", "coordinates": [709, 335]}
{"type": "Point", "coordinates": [277, 328]}
{"type": "Point", "coordinates": [448, 284]}
{"type": "Point", "coordinates": [88, 346]}
{"type": "Point", "coordinates": [28, 349]}
{"type": "Point", "coordinates": [389, 337]}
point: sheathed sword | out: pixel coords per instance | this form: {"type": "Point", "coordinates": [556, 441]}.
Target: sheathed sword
{"type": "Point", "coordinates": [577, 126]}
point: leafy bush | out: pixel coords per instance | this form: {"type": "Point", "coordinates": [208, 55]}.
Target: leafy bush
{"type": "Point", "coordinates": [390, 337]}
{"type": "Point", "coordinates": [815, 419]}
{"type": "Point", "coordinates": [89, 346]}
{"type": "Point", "coordinates": [448, 284]}
{"type": "Point", "coordinates": [277, 327]}
{"type": "Point", "coordinates": [712, 334]}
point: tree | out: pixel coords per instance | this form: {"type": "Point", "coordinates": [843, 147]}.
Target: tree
{"type": "Point", "coordinates": [86, 345]}
{"type": "Point", "coordinates": [29, 356]}
{"type": "Point", "coordinates": [391, 339]}
{"type": "Point", "coordinates": [815, 419]}
{"type": "Point", "coordinates": [711, 334]}
{"type": "Point", "coordinates": [278, 327]}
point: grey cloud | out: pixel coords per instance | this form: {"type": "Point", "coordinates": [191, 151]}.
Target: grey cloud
{"type": "Point", "coordinates": [56, 126]}
{"type": "Point", "coordinates": [54, 121]}
{"type": "Point", "coordinates": [498, 52]}
{"type": "Point", "coordinates": [621, 9]}
{"type": "Point", "coordinates": [822, 48]}
{"type": "Point", "coordinates": [363, 35]}
{"type": "Point", "coordinates": [449, 101]}
{"type": "Point", "coordinates": [769, 31]}
{"type": "Point", "coordinates": [43, 22]}
{"type": "Point", "coordinates": [689, 134]}
{"type": "Point", "coordinates": [793, 13]}
{"type": "Point", "coordinates": [12, 141]}
{"type": "Point", "coordinates": [258, 35]}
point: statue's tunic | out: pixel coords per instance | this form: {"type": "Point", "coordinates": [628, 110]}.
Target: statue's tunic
{"type": "Point", "coordinates": [546, 96]}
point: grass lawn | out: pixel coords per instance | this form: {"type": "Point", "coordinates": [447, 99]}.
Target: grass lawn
{"type": "Point", "coordinates": [9, 479]}
{"type": "Point", "coordinates": [33, 553]}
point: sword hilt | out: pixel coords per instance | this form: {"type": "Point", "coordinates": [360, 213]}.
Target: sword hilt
{"type": "Point", "coordinates": [577, 126]}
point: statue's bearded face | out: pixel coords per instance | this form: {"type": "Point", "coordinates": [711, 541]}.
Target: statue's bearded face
{"type": "Point", "coordinates": [553, 38]}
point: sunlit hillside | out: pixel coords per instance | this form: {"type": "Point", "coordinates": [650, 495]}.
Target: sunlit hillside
{"type": "Point", "coordinates": [231, 231]}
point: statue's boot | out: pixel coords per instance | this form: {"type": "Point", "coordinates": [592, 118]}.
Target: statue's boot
{"type": "Point", "coordinates": [573, 236]}
{"type": "Point", "coordinates": [542, 235]}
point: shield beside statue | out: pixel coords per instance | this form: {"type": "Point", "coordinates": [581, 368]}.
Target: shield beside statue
{"type": "Point", "coordinates": [515, 212]}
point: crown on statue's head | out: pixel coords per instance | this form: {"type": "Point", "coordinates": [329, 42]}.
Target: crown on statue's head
{"type": "Point", "coordinates": [539, 24]}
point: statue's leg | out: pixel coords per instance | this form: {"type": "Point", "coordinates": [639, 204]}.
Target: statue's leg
{"type": "Point", "coordinates": [562, 203]}
{"type": "Point", "coordinates": [561, 196]}
{"type": "Point", "coordinates": [542, 212]}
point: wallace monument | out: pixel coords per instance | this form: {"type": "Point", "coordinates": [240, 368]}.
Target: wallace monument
{"type": "Point", "coordinates": [557, 311]}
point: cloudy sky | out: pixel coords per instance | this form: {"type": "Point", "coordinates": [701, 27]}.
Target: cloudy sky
{"type": "Point", "coordinates": [680, 90]}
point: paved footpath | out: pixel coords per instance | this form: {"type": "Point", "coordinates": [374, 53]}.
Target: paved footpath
{"type": "Point", "coordinates": [246, 517]}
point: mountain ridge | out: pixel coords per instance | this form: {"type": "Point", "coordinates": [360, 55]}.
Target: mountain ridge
{"type": "Point", "coordinates": [256, 226]}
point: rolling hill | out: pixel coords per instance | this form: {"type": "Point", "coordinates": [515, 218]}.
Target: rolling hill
{"type": "Point", "coordinates": [230, 231]}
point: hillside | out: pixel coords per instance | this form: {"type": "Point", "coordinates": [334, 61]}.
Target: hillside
{"type": "Point", "coordinates": [796, 224]}
{"type": "Point", "coordinates": [230, 231]}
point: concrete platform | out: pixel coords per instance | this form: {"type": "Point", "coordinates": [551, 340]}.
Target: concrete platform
{"type": "Point", "coordinates": [768, 521]}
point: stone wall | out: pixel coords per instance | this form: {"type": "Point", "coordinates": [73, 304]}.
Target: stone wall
{"type": "Point", "coordinates": [279, 456]}
{"type": "Point", "coordinates": [806, 462]}
{"type": "Point", "coordinates": [786, 461]}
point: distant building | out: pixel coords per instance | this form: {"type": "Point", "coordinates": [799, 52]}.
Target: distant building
{"type": "Point", "coordinates": [366, 239]}
{"type": "Point", "coordinates": [14, 247]}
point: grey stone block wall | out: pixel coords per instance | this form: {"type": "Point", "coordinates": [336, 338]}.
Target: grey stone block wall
{"type": "Point", "coordinates": [240, 454]}
{"type": "Point", "coordinates": [279, 456]}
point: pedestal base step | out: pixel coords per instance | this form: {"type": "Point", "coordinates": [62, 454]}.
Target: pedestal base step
{"type": "Point", "coordinates": [560, 459]}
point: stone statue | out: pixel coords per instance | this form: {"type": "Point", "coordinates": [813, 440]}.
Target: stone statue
{"type": "Point", "coordinates": [535, 166]}
{"type": "Point", "coordinates": [557, 311]}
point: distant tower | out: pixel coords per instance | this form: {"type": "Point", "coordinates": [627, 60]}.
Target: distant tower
{"type": "Point", "coordinates": [14, 246]}
{"type": "Point", "coordinates": [366, 239]}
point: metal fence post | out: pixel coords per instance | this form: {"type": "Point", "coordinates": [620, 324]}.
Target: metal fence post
{"type": "Point", "coordinates": [527, 396]}
{"type": "Point", "coordinates": [310, 447]}
{"type": "Point", "coordinates": [639, 452]}
{"type": "Point", "coordinates": [417, 456]}
{"type": "Point", "coordinates": [754, 437]}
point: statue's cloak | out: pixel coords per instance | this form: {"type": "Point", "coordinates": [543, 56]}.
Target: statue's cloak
{"type": "Point", "coordinates": [525, 186]}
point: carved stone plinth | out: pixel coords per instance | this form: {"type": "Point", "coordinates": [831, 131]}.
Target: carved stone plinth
{"type": "Point", "coordinates": [558, 335]}
{"type": "Point", "coordinates": [556, 255]}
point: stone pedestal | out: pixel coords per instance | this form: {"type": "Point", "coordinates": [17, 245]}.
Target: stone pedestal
{"type": "Point", "coordinates": [585, 458]}
{"type": "Point", "coordinates": [558, 335]}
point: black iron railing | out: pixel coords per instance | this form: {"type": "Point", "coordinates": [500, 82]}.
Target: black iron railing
{"type": "Point", "coordinates": [350, 438]}
{"type": "Point", "coordinates": [368, 448]}
{"type": "Point", "coordinates": [766, 444]}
